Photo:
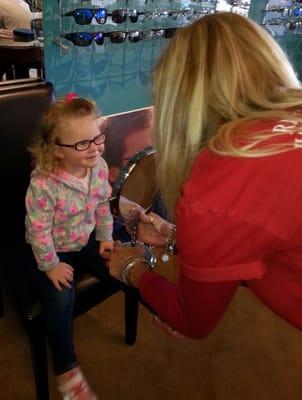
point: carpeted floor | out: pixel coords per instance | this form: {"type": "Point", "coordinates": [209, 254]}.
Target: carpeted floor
{"type": "Point", "coordinates": [252, 355]}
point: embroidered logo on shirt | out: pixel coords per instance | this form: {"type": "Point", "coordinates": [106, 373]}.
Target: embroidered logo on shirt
{"type": "Point", "coordinates": [290, 127]}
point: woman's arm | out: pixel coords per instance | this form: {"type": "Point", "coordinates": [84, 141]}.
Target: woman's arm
{"type": "Point", "coordinates": [216, 253]}
{"type": "Point", "coordinates": [192, 308]}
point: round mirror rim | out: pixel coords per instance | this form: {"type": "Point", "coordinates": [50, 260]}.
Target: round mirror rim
{"type": "Point", "coordinates": [124, 175]}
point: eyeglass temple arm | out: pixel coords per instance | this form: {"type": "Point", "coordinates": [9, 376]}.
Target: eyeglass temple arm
{"type": "Point", "coordinates": [68, 14]}
{"type": "Point", "coordinates": [67, 36]}
{"type": "Point", "coordinates": [64, 145]}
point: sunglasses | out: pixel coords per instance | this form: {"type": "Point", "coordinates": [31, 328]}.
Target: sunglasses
{"type": "Point", "coordinates": [86, 38]}
{"type": "Point", "coordinates": [292, 25]}
{"type": "Point", "coordinates": [84, 145]}
{"type": "Point", "coordinates": [120, 37]}
{"type": "Point", "coordinates": [167, 33]}
{"type": "Point", "coordinates": [286, 11]}
{"type": "Point", "coordinates": [84, 16]}
{"type": "Point", "coordinates": [136, 36]}
{"type": "Point", "coordinates": [120, 16]}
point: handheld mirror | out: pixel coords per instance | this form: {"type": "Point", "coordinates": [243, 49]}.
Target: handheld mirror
{"type": "Point", "coordinates": [135, 184]}
{"type": "Point", "coordinates": [135, 188]}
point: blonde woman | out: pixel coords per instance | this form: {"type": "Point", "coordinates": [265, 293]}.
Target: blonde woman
{"type": "Point", "coordinates": [228, 132]}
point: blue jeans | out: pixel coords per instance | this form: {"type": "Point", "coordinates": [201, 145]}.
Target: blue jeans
{"type": "Point", "coordinates": [58, 306]}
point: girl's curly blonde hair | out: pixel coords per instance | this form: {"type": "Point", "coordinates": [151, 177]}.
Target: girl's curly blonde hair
{"type": "Point", "coordinates": [44, 149]}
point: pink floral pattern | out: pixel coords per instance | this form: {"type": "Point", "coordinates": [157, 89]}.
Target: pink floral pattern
{"type": "Point", "coordinates": [61, 215]}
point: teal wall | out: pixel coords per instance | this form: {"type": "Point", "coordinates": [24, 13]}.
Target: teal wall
{"type": "Point", "coordinates": [117, 76]}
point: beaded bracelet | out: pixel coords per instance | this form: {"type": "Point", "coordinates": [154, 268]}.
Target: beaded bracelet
{"type": "Point", "coordinates": [128, 265]}
{"type": "Point", "coordinates": [170, 246]}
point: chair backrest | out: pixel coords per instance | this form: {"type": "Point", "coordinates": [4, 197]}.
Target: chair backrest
{"type": "Point", "coordinates": [22, 103]}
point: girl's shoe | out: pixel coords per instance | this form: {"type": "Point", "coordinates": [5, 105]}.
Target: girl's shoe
{"type": "Point", "coordinates": [76, 388]}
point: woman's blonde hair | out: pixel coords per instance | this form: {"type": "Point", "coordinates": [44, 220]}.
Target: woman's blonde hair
{"type": "Point", "coordinates": [44, 147]}
{"type": "Point", "coordinates": [216, 75]}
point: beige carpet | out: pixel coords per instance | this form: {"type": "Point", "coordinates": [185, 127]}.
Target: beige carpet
{"type": "Point", "coordinates": [253, 355]}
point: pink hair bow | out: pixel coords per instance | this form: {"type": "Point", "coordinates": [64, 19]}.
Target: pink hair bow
{"type": "Point", "coordinates": [70, 96]}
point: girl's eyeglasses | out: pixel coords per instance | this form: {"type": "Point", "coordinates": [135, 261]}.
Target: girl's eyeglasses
{"type": "Point", "coordinates": [84, 145]}
{"type": "Point", "coordinates": [84, 16]}
{"type": "Point", "coordinates": [84, 39]}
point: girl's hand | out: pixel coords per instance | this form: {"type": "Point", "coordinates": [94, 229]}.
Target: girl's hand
{"type": "Point", "coordinates": [116, 259]}
{"type": "Point", "coordinates": [105, 245]}
{"type": "Point", "coordinates": [152, 229]}
{"type": "Point", "coordinates": [61, 275]}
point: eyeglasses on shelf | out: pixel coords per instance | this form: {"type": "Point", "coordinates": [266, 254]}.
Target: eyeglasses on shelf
{"type": "Point", "coordinates": [84, 39]}
{"type": "Point", "coordinates": [286, 11]}
{"type": "Point", "coordinates": [84, 16]}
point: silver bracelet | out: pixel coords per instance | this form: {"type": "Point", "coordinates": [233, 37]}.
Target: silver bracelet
{"type": "Point", "coordinates": [170, 246]}
{"type": "Point", "coordinates": [128, 265]}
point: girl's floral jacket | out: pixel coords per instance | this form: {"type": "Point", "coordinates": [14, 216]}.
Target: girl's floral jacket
{"type": "Point", "coordinates": [61, 214]}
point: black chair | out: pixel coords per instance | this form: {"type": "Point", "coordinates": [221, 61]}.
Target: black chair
{"type": "Point", "coordinates": [1, 300]}
{"type": "Point", "coordinates": [22, 103]}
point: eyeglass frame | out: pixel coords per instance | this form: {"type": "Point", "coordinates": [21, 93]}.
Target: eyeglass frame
{"type": "Point", "coordinates": [93, 12]}
{"type": "Point", "coordinates": [131, 14]}
{"type": "Point", "coordinates": [74, 145]}
{"type": "Point", "coordinates": [93, 35]}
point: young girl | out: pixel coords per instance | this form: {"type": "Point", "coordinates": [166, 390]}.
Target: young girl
{"type": "Point", "coordinates": [67, 212]}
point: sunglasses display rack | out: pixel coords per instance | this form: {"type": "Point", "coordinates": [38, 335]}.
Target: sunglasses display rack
{"type": "Point", "coordinates": [100, 22]}
{"type": "Point", "coordinates": [283, 17]}
{"type": "Point", "coordinates": [107, 49]}
{"type": "Point", "coordinates": [94, 22]}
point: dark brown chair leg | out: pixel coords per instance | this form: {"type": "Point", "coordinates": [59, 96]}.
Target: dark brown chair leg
{"type": "Point", "coordinates": [37, 340]}
{"type": "Point", "coordinates": [131, 315]}
{"type": "Point", "coordinates": [1, 300]}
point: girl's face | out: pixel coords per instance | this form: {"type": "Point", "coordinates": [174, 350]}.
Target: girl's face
{"type": "Point", "coordinates": [74, 133]}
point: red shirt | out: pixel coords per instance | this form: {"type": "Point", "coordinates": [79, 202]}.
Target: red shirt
{"type": "Point", "coordinates": [239, 219]}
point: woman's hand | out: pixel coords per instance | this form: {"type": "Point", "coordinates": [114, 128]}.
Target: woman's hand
{"type": "Point", "coordinates": [152, 229]}
{"type": "Point", "coordinates": [116, 259]}
{"type": "Point", "coordinates": [129, 209]}
{"type": "Point", "coordinates": [61, 275]}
